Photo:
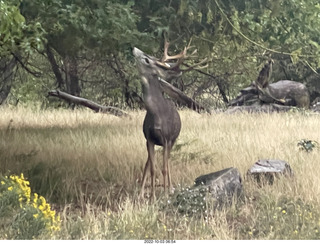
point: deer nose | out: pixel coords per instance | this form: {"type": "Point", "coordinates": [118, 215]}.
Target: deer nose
{"type": "Point", "coordinates": [137, 52]}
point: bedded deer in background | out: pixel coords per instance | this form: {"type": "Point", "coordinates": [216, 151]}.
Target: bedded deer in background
{"type": "Point", "coordinates": [162, 122]}
{"type": "Point", "coordinates": [284, 92]}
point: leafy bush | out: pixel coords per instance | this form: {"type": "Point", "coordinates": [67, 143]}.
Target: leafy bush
{"type": "Point", "coordinates": [307, 145]}
{"type": "Point", "coordinates": [24, 215]}
{"type": "Point", "coordinates": [189, 201]}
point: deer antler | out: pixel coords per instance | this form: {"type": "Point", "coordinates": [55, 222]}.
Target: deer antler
{"type": "Point", "coordinates": [181, 57]}
{"type": "Point", "coordinates": [196, 65]}
{"type": "Point", "coordinates": [166, 57]}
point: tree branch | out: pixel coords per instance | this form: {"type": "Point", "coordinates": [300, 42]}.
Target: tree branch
{"type": "Point", "coordinates": [18, 58]}
{"type": "Point", "coordinates": [181, 97]}
{"type": "Point", "coordinates": [217, 81]}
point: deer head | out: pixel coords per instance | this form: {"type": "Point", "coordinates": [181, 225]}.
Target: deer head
{"type": "Point", "coordinates": [168, 67]}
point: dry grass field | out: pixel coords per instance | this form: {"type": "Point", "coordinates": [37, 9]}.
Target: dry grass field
{"type": "Point", "coordinates": [89, 167]}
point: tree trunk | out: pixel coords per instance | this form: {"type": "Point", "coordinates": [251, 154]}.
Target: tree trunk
{"type": "Point", "coordinates": [6, 67]}
{"type": "Point", "coordinates": [72, 80]}
{"type": "Point", "coordinates": [222, 87]}
{"type": "Point", "coordinates": [55, 68]}
{"type": "Point", "coordinates": [119, 70]}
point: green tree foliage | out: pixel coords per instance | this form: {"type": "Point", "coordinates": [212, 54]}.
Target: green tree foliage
{"type": "Point", "coordinates": [95, 25]}
{"type": "Point", "coordinates": [15, 33]}
{"type": "Point", "coordinates": [286, 31]}
{"type": "Point", "coordinates": [88, 43]}
{"type": "Point", "coordinates": [18, 39]}
{"type": "Point", "coordinates": [84, 35]}
{"type": "Point", "coordinates": [280, 26]}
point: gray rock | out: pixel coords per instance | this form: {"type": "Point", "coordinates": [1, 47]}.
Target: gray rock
{"type": "Point", "coordinates": [269, 169]}
{"type": "Point", "coordinates": [214, 190]}
{"type": "Point", "coordinates": [222, 185]}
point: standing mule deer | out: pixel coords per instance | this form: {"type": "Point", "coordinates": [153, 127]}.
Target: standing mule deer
{"type": "Point", "coordinates": [284, 92]}
{"type": "Point", "coordinates": [162, 122]}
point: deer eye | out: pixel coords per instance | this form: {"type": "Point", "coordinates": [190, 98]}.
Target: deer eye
{"type": "Point", "coordinates": [146, 60]}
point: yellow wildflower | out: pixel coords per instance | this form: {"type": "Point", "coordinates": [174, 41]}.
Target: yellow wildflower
{"type": "Point", "coordinates": [284, 211]}
{"type": "Point", "coordinates": [43, 201]}
{"type": "Point", "coordinates": [22, 188]}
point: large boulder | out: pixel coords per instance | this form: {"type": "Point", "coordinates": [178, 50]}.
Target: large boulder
{"type": "Point", "coordinates": [216, 190]}
{"type": "Point", "coordinates": [266, 170]}
{"type": "Point", "coordinates": [222, 185]}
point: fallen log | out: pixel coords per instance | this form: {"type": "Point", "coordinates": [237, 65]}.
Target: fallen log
{"type": "Point", "coordinates": [175, 93]}
{"type": "Point", "coordinates": [256, 108]}
{"type": "Point", "coordinates": [87, 103]}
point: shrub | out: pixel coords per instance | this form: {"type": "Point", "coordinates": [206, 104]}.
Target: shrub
{"type": "Point", "coordinates": [307, 145]}
{"type": "Point", "coordinates": [24, 215]}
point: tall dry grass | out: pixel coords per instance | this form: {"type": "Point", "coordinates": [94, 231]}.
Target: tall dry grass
{"type": "Point", "coordinates": [92, 163]}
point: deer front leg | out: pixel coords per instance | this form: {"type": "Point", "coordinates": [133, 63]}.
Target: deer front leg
{"type": "Point", "coordinates": [144, 177]}
{"type": "Point", "coordinates": [151, 159]}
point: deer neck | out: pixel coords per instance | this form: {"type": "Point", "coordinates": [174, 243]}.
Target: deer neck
{"type": "Point", "coordinates": [152, 94]}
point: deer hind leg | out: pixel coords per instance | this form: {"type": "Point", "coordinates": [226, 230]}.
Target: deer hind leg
{"type": "Point", "coordinates": [166, 169]}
